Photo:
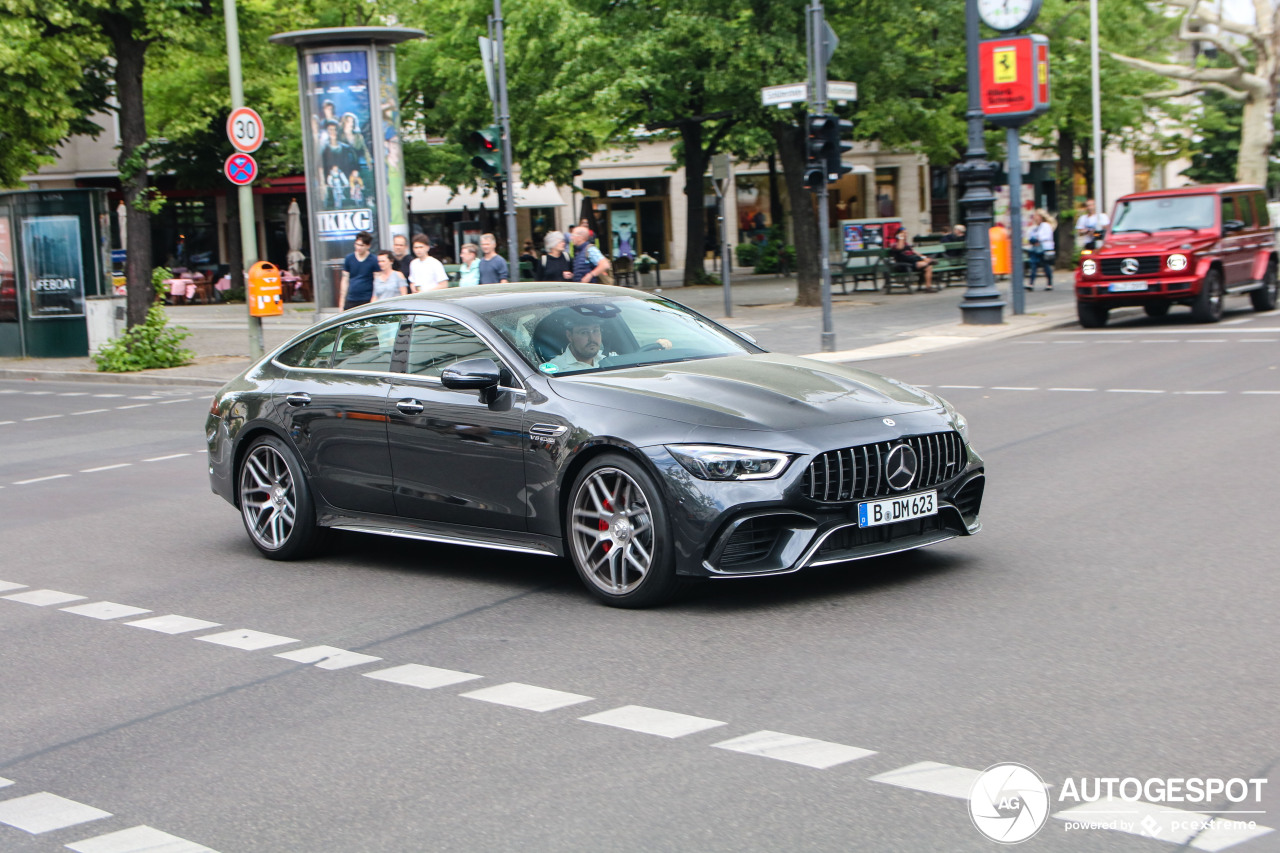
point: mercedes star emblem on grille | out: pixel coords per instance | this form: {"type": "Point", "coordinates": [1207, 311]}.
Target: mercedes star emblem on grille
{"type": "Point", "coordinates": [1129, 266]}
{"type": "Point", "coordinates": [900, 467]}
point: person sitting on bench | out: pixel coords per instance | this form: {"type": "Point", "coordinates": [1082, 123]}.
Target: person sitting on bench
{"type": "Point", "coordinates": [905, 258]}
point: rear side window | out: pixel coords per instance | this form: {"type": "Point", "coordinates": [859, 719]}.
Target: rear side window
{"type": "Point", "coordinates": [1231, 210]}
{"type": "Point", "coordinates": [1260, 209]}
{"type": "Point", "coordinates": [436, 343]}
{"type": "Point", "coordinates": [310, 353]}
{"type": "Point", "coordinates": [367, 344]}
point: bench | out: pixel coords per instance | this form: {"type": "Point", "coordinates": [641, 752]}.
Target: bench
{"type": "Point", "coordinates": [951, 267]}
{"type": "Point", "coordinates": [894, 276]}
{"type": "Point", "coordinates": [860, 266]}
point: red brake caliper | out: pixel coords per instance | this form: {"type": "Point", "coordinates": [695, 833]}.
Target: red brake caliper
{"type": "Point", "coordinates": [604, 525]}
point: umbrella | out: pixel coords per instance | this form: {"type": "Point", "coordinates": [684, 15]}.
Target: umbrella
{"type": "Point", "coordinates": [122, 214]}
{"type": "Point", "coordinates": [293, 233]}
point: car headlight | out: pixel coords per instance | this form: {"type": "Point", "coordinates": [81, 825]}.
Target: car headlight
{"type": "Point", "coordinates": [959, 421]}
{"type": "Point", "coordinates": [709, 462]}
{"type": "Point", "coordinates": [1177, 262]}
{"type": "Point", "coordinates": [1089, 267]}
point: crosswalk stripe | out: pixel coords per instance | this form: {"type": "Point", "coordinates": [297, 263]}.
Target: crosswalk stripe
{"type": "Point", "coordinates": [820, 754]}
{"type": "Point", "coordinates": [527, 697]}
{"type": "Point", "coordinates": [45, 812]}
{"type": "Point", "coordinates": [138, 839]}
{"type": "Point", "coordinates": [417, 675]}
{"type": "Point", "coordinates": [105, 610]}
{"type": "Point", "coordinates": [7, 585]}
{"type": "Point", "coordinates": [1165, 824]}
{"type": "Point", "coordinates": [933, 778]}
{"type": "Point", "coordinates": [327, 657]}
{"type": "Point", "coordinates": [44, 597]}
{"type": "Point", "coordinates": [4, 783]}
{"type": "Point", "coordinates": [173, 624]}
{"type": "Point", "coordinates": [249, 641]}
{"type": "Point", "coordinates": [652, 721]}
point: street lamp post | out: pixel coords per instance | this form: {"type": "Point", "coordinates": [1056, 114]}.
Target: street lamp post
{"type": "Point", "coordinates": [982, 304]}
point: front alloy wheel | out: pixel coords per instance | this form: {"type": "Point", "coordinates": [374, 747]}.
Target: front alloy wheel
{"type": "Point", "coordinates": [618, 534]}
{"type": "Point", "coordinates": [275, 502]}
{"type": "Point", "coordinates": [1208, 305]}
{"type": "Point", "coordinates": [1264, 298]}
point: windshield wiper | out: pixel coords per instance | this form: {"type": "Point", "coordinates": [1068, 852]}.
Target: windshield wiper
{"type": "Point", "coordinates": [1127, 230]}
{"type": "Point", "coordinates": [1179, 228]}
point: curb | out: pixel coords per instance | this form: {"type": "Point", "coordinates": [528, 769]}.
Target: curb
{"type": "Point", "coordinates": [84, 376]}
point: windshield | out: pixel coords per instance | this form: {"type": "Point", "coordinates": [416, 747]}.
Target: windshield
{"type": "Point", "coordinates": [561, 336]}
{"type": "Point", "coordinates": [1166, 214]}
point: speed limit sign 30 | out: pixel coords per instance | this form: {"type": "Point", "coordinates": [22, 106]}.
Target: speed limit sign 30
{"type": "Point", "coordinates": [244, 129]}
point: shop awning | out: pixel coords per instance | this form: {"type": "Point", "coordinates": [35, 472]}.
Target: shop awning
{"type": "Point", "coordinates": [435, 199]}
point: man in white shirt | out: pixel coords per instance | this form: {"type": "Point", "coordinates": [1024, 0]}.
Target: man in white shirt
{"type": "Point", "coordinates": [1091, 226]}
{"type": "Point", "coordinates": [425, 272]}
{"type": "Point", "coordinates": [585, 345]}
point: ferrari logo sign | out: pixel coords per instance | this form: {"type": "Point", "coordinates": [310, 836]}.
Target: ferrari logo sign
{"type": "Point", "coordinates": [1005, 60]}
{"type": "Point", "coordinates": [1014, 76]}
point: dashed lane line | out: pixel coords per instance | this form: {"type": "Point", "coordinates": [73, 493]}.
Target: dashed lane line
{"type": "Point", "coordinates": [106, 468]}
{"type": "Point", "coordinates": [163, 458]}
{"type": "Point", "coordinates": [819, 754]}
{"type": "Point", "coordinates": [45, 812]}
{"type": "Point", "coordinates": [44, 597]}
{"type": "Point", "coordinates": [1133, 391]}
{"type": "Point", "coordinates": [527, 697]}
{"type": "Point", "coordinates": [40, 418]}
{"type": "Point", "coordinates": [90, 412]}
{"type": "Point", "coordinates": [133, 406]}
{"type": "Point", "coordinates": [173, 624]}
{"type": "Point", "coordinates": [5, 586]}
{"type": "Point", "coordinates": [105, 610]}
{"type": "Point", "coordinates": [249, 641]}
{"type": "Point", "coordinates": [933, 778]}
{"type": "Point", "coordinates": [424, 677]}
{"type": "Point", "coordinates": [652, 721]}
{"type": "Point", "coordinates": [100, 468]}
{"type": "Point", "coordinates": [4, 783]}
{"type": "Point", "coordinates": [327, 657]}
{"type": "Point", "coordinates": [138, 839]}
{"type": "Point", "coordinates": [1073, 389]}
{"type": "Point", "coordinates": [39, 479]}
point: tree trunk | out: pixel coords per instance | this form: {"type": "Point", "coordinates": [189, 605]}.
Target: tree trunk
{"type": "Point", "coordinates": [130, 55]}
{"type": "Point", "coordinates": [776, 215]}
{"type": "Point", "coordinates": [1256, 136]}
{"type": "Point", "coordinates": [1064, 239]}
{"type": "Point", "coordinates": [804, 219]}
{"type": "Point", "coordinates": [235, 247]}
{"type": "Point", "coordinates": [695, 167]}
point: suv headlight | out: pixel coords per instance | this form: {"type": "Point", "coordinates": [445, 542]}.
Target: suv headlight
{"type": "Point", "coordinates": [709, 462]}
{"type": "Point", "coordinates": [1089, 267]}
{"type": "Point", "coordinates": [1177, 262]}
{"type": "Point", "coordinates": [959, 421]}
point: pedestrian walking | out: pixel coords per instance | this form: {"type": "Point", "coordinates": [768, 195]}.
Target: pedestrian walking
{"type": "Point", "coordinates": [357, 274]}
{"type": "Point", "coordinates": [493, 267]}
{"type": "Point", "coordinates": [400, 254]}
{"type": "Point", "coordinates": [589, 263]}
{"type": "Point", "coordinates": [1091, 226]}
{"type": "Point", "coordinates": [388, 281]}
{"type": "Point", "coordinates": [1040, 249]}
{"type": "Point", "coordinates": [469, 269]}
{"type": "Point", "coordinates": [425, 272]}
{"type": "Point", "coordinates": [555, 264]}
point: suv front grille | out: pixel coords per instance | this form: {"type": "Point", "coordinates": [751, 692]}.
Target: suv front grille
{"type": "Point", "coordinates": [1147, 265]}
{"type": "Point", "coordinates": [857, 473]}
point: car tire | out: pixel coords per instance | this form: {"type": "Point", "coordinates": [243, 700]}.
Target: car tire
{"type": "Point", "coordinates": [1266, 297]}
{"type": "Point", "coordinates": [1092, 316]}
{"type": "Point", "coordinates": [618, 536]}
{"type": "Point", "coordinates": [1156, 309]}
{"type": "Point", "coordinates": [1207, 307]}
{"type": "Point", "coordinates": [275, 501]}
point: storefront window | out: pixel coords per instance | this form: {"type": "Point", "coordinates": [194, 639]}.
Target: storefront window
{"type": "Point", "coordinates": [887, 191]}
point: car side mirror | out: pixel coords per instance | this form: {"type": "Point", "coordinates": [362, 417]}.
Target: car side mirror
{"type": "Point", "coordinates": [1232, 225]}
{"type": "Point", "coordinates": [474, 374]}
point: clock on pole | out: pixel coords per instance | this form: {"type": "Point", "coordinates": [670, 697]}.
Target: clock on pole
{"type": "Point", "coordinates": [1008, 15]}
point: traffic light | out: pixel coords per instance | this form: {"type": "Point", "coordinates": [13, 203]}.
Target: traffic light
{"type": "Point", "coordinates": [815, 150]}
{"type": "Point", "coordinates": [836, 146]}
{"type": "Point", "coordinates": [487, 143]}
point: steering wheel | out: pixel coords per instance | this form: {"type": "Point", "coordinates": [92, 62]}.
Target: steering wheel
{"type": "Point", "coordinates": [651, 347]}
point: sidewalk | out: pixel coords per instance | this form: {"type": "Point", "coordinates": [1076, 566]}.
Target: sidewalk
{"type": "Point", "coordinates": [867, 325]}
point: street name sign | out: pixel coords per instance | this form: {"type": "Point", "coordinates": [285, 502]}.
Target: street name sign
{"type": "Point", "coordinates": [245, 130]}
{"type": "Point", "coordinates": [784, 95]}
{"type": "Point", "coordinates": [841, 92]}
{"type": "Point", "coordinates": [240, 169]}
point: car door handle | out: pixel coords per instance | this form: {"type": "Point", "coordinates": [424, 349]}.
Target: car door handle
{"type": "Point", "coordinates": [410, 407]}
{"type": "Point", "coordinates": [299, 399]}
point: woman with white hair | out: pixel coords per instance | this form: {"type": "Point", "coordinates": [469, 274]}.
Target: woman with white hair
{"type": "Point", "coordinates": [1040, 251]}
{"type": "Point", "coordinates": [555, 264]}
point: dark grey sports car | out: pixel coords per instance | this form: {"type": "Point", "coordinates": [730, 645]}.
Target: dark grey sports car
{"type": "Point", "coordinates": [644, 441]}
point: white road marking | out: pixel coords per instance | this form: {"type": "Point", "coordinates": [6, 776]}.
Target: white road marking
{"type": "Point", "coordinates": [1133, 391]}
{"type": "Point", "coordinates": [1111, 341]}
{"type": "Point", "coordinates": [173, 624]}
{"type": "Point", "coordinates": [1260, 392]}
{"type": "Point", "coordinates": [74, 394]}
{"type": "Point", "coordinates": [10, 391]}
{"type": "Point", "coordinates": [1208, 341]}
{"type": "Point", "coordinates": [90, 412]}
{"type": "Point", "coordinates": [6, 423]}
{"type": "Point", "coordinates": [1165, 824]}
{"type": "Point", "coordinates": [1158, 341]}
{"type": "Point", "coordinates": [106, 468]}
{"type": "Point", "coordinates": [40, 479]}
{"type": "Point", "coordinates": [652, 721]}
{"type": "Point", "coordinates": [1073, 389]}
{"type": "Point", "coordinates": [134, 406]}
{"type": "Point", "coordinates": [105, 610]}
{"type": "Point", "coordinates": [41, 418]}
{"type": "Point", "coordinates": [138, 839]}
{"type": "Point", "coordinates": [108, 395]}
{"type": "Point", "coordinates": [4, 783]}
{"type": "Point", "coordinates": [1199, 393]}
{"type": "Point", "coordinates": [820, 754]}
{"type": "Point", "coordinates": [1012, 388]}
{"type": "Point", "coordinates": [243, 638]}
{"type": "Point", "coordinates": [5, 586]}
{"type": "Point", "coordinates": [527, 696]}
{"type": "Point", "coordinates": [1258, 340]}
{"type": "Point", "coordinates": [151, 397]}
{"type": "Point", "coordinates": [38, 393]}
{"type": "Point", "coordinates": [1070, 342]}
{"type": "Point", "coordinates": [426, 677]}
{"type": "Point", "coordinates": [44, 597]}
{"type": "Point", "coordinates": [933, 778]}
{"type": "Point", "coordinates": [167, 402]}
{"type": "Point", "coordinates": [1028, 342]}
{"type": "Point", "coordinates": [45, 812]}
{"type": "Point", "coordinates": [328, 657]}
{"type": "Point", "coordinates": [163, 458]}
{"type": "Point", "coordinates": [968, 387]}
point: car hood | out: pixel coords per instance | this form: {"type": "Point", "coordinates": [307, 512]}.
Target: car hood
{"type": "Point", "coordinates": [1163, 241]}
{"type": "Point", "coordinates": [765, 391]}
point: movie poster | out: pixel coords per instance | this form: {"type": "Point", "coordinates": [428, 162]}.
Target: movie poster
{"type": "Point", "coordinates": [623, 225]}
{"type": "Point", "coordinates": [54, 266]}
{"type": "Point", "coordinates": [8, 275]}
{"type": "Point", "coordinates": [343, 183]}
{"type": "Point", "coordinates": [389, 99]}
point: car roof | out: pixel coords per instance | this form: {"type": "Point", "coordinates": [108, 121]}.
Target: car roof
{"type": "Point", "coordinates": [495, 297]}
{"type": "Point", "coordinates": [1195, 189]}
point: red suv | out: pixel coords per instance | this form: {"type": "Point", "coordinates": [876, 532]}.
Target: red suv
{"type": "Point", "coordinates": [1188, 246]}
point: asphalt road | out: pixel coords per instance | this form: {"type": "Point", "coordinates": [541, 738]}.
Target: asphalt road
{"type": "Point", "coordinates": [1116, 618]}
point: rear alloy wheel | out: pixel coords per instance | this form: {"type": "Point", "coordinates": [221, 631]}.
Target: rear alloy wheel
{"type": "Point", "coordinates": [1208, 305]}
{"type": "Point", "coordinates": [1092, 316]}
{"type": "Point", "coordinates": [276, 502]}
{"type": "Point", "coordinates": [1266, 297]}
{"type": "Point", "coordinates": [1156, 309]}
{"type": "Point", "coordinates": [618, 534]}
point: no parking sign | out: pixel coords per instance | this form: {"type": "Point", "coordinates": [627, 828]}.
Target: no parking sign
{"type": "Point", "coordinates": [241, 169]}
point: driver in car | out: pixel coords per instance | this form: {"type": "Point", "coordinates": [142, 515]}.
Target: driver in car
{"type": "Point", "coordinates": [585, 349]}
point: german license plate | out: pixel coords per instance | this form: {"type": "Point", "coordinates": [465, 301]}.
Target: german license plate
{"type": "Point", "coordinates": [904, 508]}
{"type": "Point", "coordinates": [1125, 286]}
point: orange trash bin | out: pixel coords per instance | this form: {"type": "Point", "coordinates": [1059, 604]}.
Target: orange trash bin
{"type": "Point", "coordinates": [1001, 256]}
{"type": "Point", "coordinates": [263, 291]}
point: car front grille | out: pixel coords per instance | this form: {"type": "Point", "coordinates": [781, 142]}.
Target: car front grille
{"type": "Point", "coordinates": [752, 541]}
{"type": "Point", "coordinates": [857, 473]}
{"type": "Point", "coordinates": [1147, 265]}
